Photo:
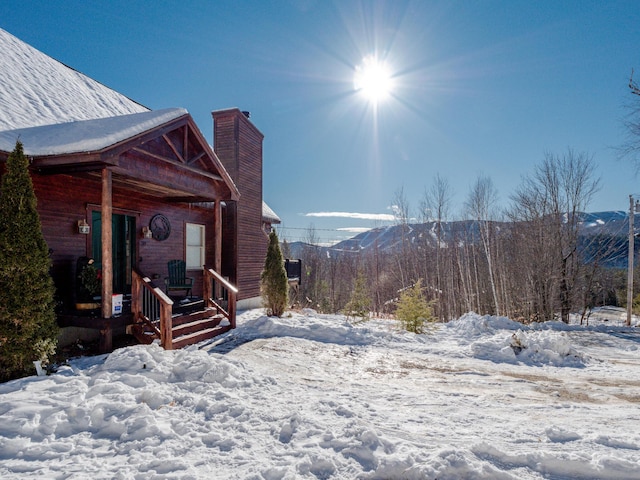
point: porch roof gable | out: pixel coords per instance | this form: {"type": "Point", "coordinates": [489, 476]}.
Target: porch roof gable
{"type": "Point", "coordinates": [160, 152]}
{"type": "Point", "coordinates": [87, 135]}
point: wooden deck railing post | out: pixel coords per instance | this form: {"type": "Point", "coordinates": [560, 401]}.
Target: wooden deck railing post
{"type": "Point", "coordinates": [166, 329]}
{"type": "Point", "coordinates": [146, 311]}
{"type": "Point", "coordinates": [230, 311]}
{"type": "Point", "coordinates": [207, 288]}
{"type": "Point", "coordinates": [136, 295]}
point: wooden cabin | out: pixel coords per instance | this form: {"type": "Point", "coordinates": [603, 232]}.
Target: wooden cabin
{"type": "Point", "coordinates": [133, 189]}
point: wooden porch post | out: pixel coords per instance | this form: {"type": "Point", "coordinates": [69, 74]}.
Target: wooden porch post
{"type": "Point", "coordinates": [217, 232]}
{"type": "Point", "coordinates": [107, 259]}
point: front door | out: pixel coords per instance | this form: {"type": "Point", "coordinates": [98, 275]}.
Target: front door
{"type": "Point", "coordinates": [123, 247]}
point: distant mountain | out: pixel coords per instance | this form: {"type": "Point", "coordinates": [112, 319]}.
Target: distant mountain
{"type": "Point", "coordinates": [612, 227]}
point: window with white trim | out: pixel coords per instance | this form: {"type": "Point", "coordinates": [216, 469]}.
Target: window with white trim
{"type": "Point", "coordinates": [194, 246]}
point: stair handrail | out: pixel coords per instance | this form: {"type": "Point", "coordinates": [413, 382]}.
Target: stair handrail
{"type": "Point", "coordinates": [213, 297]}
{"type": "Point", "coordinates": [148, 302]}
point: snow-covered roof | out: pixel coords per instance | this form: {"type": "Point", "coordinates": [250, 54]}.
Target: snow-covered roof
{"type": "Point", "coordinates": [87, 135]}
{"type": "Point", "coordinates": [37, 90]}
{"type": "Point", "coordinates": [268, 214]}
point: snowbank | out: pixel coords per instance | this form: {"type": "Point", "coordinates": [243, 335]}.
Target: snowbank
{"type": "Point", "coordinates": [312, 396]}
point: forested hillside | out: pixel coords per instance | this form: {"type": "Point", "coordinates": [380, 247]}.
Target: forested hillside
{"type": "Point", "coordinates": [451, 259]}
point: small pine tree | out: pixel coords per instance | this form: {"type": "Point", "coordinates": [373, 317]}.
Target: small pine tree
{"type": "Point", "coordinates": [28, 326]}
{"type": "Point", "coordinates": [273, 280]}
{"type": "Point", "coordinates": [359, 305]}
{"type": "Point", "coordinates": [413, 309]}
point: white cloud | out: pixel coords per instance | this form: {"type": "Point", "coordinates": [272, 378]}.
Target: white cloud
{"type": "Point", "coordinates": [385, 217]}
{"type": "Point", "coordinates": [354, 229]}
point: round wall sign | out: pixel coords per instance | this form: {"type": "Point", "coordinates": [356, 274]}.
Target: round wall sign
{"type": "Point", "coordinates": [160, 227]}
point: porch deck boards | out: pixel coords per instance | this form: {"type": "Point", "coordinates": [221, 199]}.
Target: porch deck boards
{"type": "Point", "coordinates": [199, 324]}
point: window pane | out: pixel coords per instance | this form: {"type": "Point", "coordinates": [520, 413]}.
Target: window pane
{"type": "Point", "coordinates": [194, 251]}
{"type": "Point", "coordinates": [194, 257]}
{"type": "Point", "coordinates": [193, 234]}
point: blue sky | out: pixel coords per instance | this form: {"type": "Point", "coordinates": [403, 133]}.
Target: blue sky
{"type": "Point", "coordinates": [479, 88]}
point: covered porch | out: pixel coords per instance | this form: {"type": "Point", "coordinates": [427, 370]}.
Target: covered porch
{"type": "Point", "coordinates": [133, 192]}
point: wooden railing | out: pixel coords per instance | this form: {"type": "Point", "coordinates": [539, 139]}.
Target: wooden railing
{"type": "Point", "coordinates": [219, 293]}
{"type": "Point", "coordinates": [150, 305]}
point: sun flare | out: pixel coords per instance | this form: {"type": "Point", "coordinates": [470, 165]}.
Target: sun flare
{"type": "Point", "coordinates": [373, 80]}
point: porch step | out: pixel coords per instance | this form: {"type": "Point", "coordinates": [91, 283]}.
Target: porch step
{"type": "Point", "coordinates": [187, 305]}
{"type": "Point", "coordinates": [141, 334]}
{"type": "Point", "coordinates": [187, 329]}
{"type": "Point", "coordinates": [199, 336]}
{"type": "Point", "coordinates": [180, 319]}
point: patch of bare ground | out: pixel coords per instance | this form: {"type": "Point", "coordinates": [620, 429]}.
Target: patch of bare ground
{"type": "Point", "coordinates": [409, 365]}
{"type": "Point", "coordinates": [385, 371]}
{"type": "Point", "coordinates": [604, 382]}
{"type": "Point", "coordinates": [567, 395]}
{"type": "Point", "coordinates": [546, 386]}
{"type": "Point", "coordinates": [627, 398]}
{"type": "Point", "coordinates": [527, 376]}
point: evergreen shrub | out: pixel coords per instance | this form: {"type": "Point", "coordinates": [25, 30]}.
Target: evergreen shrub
{"type": "Point", "coordinates": [274, 283]}
{"type": "Point", "coordinates": [359, 305]}
{"type": "Point", "coordinates": [28, 328]}
{"type": "Point", "coordinates": [413, 310]}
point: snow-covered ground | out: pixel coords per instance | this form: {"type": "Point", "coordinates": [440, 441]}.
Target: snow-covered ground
{"type": "Point", "coordinates": [312, 396]}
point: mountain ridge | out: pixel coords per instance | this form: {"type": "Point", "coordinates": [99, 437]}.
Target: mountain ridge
{"type": "Point", "coordinates": [613, 225]}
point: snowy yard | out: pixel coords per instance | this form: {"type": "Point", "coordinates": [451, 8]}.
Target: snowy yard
{"type": "Point", "coordinates": [311, 396]}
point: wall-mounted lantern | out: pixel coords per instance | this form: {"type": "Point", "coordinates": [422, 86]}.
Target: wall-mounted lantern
{"type": "Point", "coordinates": [83, 227]}
{"type": "Point", "coordinates": [146, 232]}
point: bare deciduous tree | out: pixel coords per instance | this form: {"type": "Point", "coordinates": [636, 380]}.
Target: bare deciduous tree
{"type": "Point", "coordinates": [549, 204]}
{"type": "Point", "coordinates": [401, 212]}
{"type": "Point", "coordinates": [435, 206]}
{"type": "Point", "coordinates": [631, 147]}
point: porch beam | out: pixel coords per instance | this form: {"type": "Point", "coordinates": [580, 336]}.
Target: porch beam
{"type": "Point", "coordinates": [71, 169]}
{"type": "Point", "coordinates": [193, 199]}
{"type": "Point", "coordinates": [197, 157]}
{"type": "Point", "coordinates": [184, 179]}
{"type": "Point", "coordinates": [79, 160]}
{"type": "Point", "coordinates": [147, 153]}
{"type": "Point", "coordinates": [185, 142]}
{"type": "Point", "coordinates": [173, 148]}
{"type": "Point", "coordinates": [162, 158]}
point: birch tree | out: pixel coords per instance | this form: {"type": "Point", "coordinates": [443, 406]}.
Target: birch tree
{"type": "Point", "coordinates": [435, 206]}
{"type": "Point", "coordinates": [481, 206]}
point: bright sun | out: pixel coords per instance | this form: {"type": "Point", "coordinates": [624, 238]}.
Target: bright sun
{"type": "Point", "coordinates": [373, 80]}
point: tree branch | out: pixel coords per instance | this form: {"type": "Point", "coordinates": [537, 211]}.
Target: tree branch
{"type": "Point", "coordinates": [633, 85]}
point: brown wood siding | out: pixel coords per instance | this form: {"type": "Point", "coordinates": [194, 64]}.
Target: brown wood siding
{"type": "Point", "coordinates": [64, 199]}
{"type": "Point", "coordinates": [225, 143]}
{"type": "Point", "coordinates": [238, 144]}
